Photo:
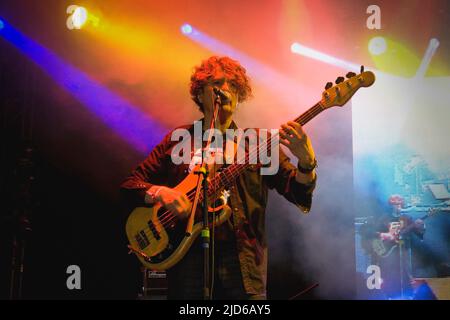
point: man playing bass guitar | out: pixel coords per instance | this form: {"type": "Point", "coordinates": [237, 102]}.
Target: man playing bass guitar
{"type": "Point", "coordinates": [240, 262]}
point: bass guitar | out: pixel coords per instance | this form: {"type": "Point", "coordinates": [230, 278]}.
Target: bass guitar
{"type": "Point", "coordinates": [158, 237]}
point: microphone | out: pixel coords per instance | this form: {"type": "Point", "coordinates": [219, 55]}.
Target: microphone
{"type": "Point", "coordinates": [221, 94]}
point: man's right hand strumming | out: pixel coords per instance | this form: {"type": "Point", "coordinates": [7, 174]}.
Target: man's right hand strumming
{"type": "Point", "coordinates": [173, 200]}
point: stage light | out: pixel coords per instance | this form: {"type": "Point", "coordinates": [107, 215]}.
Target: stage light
{"type": "Point", "coordinates": [78, 17]}
{"type": "Point", "coordinates": [302, 50]}
{"type": "Point", "coordinates": [434, 43]}
{"type": "Point", "coordinates": [136, 127]}
{"type": "Point", "coordinates": [289, 90]}
{"type": "Point", "coordinates": [377, 46]}
{"type": "Point", "coordinates": [393, 56]}
{"type": "Point", "coordinates": [1, 24]}
{"type": "Point", "coordinates": [186, 28]}
{"type": "Point", "coordinates": [426, 60]}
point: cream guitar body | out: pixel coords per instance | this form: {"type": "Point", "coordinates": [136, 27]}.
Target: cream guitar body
{"type": "Point", "coordinates": [159, 238]}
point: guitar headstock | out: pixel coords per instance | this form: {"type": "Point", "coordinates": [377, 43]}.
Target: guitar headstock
{"type": "Point", "coordinates": [341, 93]}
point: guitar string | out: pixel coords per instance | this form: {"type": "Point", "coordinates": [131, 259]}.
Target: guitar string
{"type": "Point", "coordinates": [236, 170]}
{"type": "Point", "coordinates": [167, 217]}
{"type": "Point", "coordinates": [303, 119]}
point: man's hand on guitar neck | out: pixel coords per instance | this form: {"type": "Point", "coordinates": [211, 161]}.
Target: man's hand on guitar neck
{"type": "Point", "coordinates": [171, 199]}
{"type": "Point", "coordinates": [294, 137]}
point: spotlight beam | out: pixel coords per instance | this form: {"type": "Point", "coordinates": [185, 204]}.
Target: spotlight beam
{"type": "Point", "coordinates": [125, 119]}
{"type": "Point", "coordinates": [289, 90]}
{"type": "Point", "coordinates": [305, 51]}
{"type": "Point", "coordinates": [426, 60]}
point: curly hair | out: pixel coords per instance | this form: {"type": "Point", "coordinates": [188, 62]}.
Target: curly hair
{"type": "Point", "coordinates": [234, 73]}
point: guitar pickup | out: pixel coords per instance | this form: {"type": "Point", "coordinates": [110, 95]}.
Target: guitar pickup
{"type": "Point", "coordinates": [142, 240]}
{"type": "Point", "coordinates": [153, 230]}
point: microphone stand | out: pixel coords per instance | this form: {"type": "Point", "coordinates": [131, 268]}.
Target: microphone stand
{"type": "Point", "coordinates": [400, 248]}
{"type": "Point", "coordinates": [203, 179]}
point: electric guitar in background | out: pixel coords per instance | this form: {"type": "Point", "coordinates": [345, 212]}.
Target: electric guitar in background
{"type": "Point", "coordinates": [398, 229]}
{"type": "Point", "coordinates": [158, 237]}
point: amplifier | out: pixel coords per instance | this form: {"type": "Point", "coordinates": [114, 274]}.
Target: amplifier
{"type": "Point", "coordinates": [154, 285]}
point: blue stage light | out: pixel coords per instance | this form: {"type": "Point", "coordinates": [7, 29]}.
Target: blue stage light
{"type": "Point", "coordinates": [127, 120]}
{"type": "Point", "coordinates": [186, 28]}
{"type": "Point", "coordinates": [1, 24]}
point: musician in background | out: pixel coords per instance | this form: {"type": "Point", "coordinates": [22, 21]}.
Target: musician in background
{"type": "Point", "coordinates": [240, 262]}
{"type": "Point", "coordinates": [416, 227]}
{"type": "Point", "coordinates": [388, 239]}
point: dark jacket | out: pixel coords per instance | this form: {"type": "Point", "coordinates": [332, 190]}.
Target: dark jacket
{"type": "Point", "coordinates": [248, 200]}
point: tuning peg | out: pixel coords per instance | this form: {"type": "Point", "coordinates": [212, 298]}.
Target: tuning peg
{"type": "Point", "coordinates": [338, 92]}
{"type": "Point", "coordinates": [339, 80]}
{"type": "Point", "coordinates": [362, 69]}
{"type": "Point", "coordinates": [328, 85]}
{"type": "Point", "coordinates": [350, 74]}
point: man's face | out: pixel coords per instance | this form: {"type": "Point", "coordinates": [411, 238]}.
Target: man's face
{"type": "Point", "coordinates": [207, 97]}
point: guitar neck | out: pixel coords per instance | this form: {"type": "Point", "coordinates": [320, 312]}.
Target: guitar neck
{"type": "Point", "coordinates": [227, 176]}
{"type": "Point", "coordinates": [337, 95]}
{"type": "Point", "coordinates": [310, 114]}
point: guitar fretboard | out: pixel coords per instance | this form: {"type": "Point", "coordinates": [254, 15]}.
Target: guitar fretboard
{"type": "Point", "coordinates": [227, 176]}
